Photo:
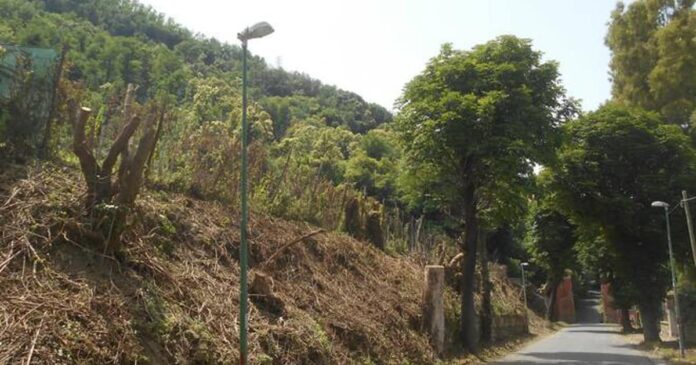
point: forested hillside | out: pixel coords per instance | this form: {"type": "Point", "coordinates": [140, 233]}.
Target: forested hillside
{"type": "Point", "coordinates": [313, 135]}
{"type": "Point", "coordinates": [119, 42]}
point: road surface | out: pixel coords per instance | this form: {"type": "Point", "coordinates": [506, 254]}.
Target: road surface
{"type": "Point", "coordinates": [588, 342]}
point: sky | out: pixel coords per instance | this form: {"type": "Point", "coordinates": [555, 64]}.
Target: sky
{"type": "Point", "coordinates": [374, 47]}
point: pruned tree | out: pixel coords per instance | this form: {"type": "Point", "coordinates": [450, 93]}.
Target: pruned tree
{"type": "Point", "coordinates": [104, 190]}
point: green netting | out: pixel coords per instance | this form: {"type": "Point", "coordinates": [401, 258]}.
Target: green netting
{"type": "Point", "coordinates": [26, 85]}
{"type": "Point", "coordinates": [15, 60]}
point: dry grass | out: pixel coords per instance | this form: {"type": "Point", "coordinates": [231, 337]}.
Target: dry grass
{"type": "Point", "coordinates": [667, 350]}
{"type": "Point", "coordinates": [172, 297]}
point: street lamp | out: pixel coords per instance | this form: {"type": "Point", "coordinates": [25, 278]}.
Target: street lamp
{"type": "Point", "coordinates": [660, 204]}
{"type": "Point", "coordinates": [258, 30]}
{"type": "Point", "coordinates": [524, 287]}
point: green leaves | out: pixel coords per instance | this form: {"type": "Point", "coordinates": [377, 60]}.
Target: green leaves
{"type": "Point", "coordinates": [614, 163]}
{"type": "Point", "coordinates": [497, 104]}
{"type": "Point", "coordinates": [653, 44]}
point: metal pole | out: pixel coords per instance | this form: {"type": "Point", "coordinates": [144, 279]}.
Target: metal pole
{"type": "Point", "coordinates": [674, 286]}
{"type": "Point", "coordinates": [685, 203]}
{"type": "Point", "coordinates": [243, 319]}
{"type": "Point", "coordinates": [524, 292]}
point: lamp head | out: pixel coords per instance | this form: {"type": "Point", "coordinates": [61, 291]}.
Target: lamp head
{"type": "Point", "coordinates": [524, 264]}
{"type": "Point", "coordinates": [659, 204]}
{"type": "Point", "coordinates": [257, 30]}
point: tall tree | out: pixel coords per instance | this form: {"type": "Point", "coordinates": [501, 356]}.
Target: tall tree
{"type": "Point", "coordinates": [550, 242]}
{"type": "Point", "coordinates": [653, 45]}
{"type": "Point", "coordinates": [477, 119]}
{"type": "Point", "coordinates": [614, 163]}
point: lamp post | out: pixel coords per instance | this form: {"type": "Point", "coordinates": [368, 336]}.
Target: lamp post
{"type": "Point", "coordinates": [524, 287]}
{"type": "Point", "coordinates": [680, 333]}
{"type": "Point", "coordinates": [258, 30]}
{"type": "Point", "coordinates": [689, 225]}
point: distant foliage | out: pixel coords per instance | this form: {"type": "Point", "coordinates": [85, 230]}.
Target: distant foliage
{"type": "Point", "coordinates": [653, 57]}
{"type": "Point", "coordinates": [123, 41]}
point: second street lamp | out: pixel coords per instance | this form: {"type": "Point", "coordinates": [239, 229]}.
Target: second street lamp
{"type": "Point", "coordinates": [258, 30]}
{"type": "Point", "coordinates": [524, 288]}
{"type": "Point", "coordinates": [680, 333]}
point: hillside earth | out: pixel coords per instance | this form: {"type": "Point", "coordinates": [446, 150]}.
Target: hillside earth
{"type": "Point", "coordinates": [172, 297]}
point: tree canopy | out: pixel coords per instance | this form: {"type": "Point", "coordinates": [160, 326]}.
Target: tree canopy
{"type": "Point", "coordinates": [614, 163]}
{"type": "Point", "coordinates": [478, 120]}
{"type": "Point", "coordinates": [653, 45]}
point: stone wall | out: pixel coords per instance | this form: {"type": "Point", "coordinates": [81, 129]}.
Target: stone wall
{"type": "Point", "coordinates": [510, 325]}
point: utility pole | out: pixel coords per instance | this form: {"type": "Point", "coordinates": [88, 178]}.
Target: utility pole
{"type": "Point", "coordinates": [685, 204]}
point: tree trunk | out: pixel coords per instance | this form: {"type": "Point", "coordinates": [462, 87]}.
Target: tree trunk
{"type": "Point", "coordinates": [649, 312]}
{"type": "Point", "coordinates": [550, 313]}
{"type": "Point", "coordinates": [158, 134]}
{"type": "Point", "coordinates": [486, 307]}
{"type": "Point", "coordinates": [468, 246]}
{"type": "Point", "coordinates": [626, 320]}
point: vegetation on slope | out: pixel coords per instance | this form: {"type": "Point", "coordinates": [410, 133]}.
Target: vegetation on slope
{"type": "Point", "coordinates": [171, 297]}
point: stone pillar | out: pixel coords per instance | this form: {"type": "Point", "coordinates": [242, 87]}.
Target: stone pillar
{"type": "Point", "coordinates": [433, 306]}
{"type": "Point", "coordinates": [565, 306]}
{"type": "Point", "coordinates": [671, 317]}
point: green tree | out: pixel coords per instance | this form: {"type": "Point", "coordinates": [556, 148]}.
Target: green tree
{"type": "Point", "coordinates": [614, 163]}
{"type": "Point", "coordinates": [372, 166]}
{"type": "Point", "coordinates": [550, 242]}
{"type": "Point", "coordinates": [477, 119]}
{"type": "Point", "coordinates": [279, 109]}
{"type": "Point", "coordinates": [653, 45]}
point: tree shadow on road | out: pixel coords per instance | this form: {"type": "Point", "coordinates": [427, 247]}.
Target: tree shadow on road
{"type": "Point", "coordinates": [578, 358]}
{"type": "Point", "coordinates": [593, 331]}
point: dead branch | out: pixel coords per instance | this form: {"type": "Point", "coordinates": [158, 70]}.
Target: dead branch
{"type": "Point", "coordinates": [88, 163]}
{"type": "Point", "coordinates": [158, 134]}
{"type": "Point", "coordinates": [33, 342]}
{"type": "Point", "coordinates": [289, 244]}
{"type": "Point", "coordinates": [132, 178]}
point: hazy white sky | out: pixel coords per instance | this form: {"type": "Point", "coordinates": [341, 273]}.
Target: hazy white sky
{"type": "Point", "coordinates": [373, 47]}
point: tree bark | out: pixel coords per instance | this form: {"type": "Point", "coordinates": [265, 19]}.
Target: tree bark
{"type": "Point", "coordinates": [88, 164]}
{"type": "Point", "coordinates": [486, 306]}
{"type": "Point", "coordinates": [550, 313]}
{"type": "Point", "coordinates": [158, 134]}
{"type": "Point", "coordinates": [649, 312]}
{"type": "Point", "coordinates": [468, 325]}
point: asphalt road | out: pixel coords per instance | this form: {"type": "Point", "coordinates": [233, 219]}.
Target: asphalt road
{"type": "Point", "coordinates": [588, 342]}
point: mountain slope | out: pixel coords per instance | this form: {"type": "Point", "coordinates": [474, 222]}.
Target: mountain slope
{"type": "Point", "coordinates": [115, 42]}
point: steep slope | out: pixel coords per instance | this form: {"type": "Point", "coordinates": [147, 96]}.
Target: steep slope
{"type": "Point", "coordinates": [173, 296]}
